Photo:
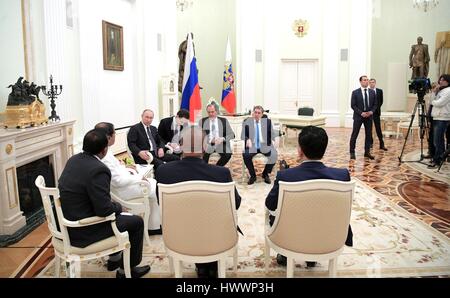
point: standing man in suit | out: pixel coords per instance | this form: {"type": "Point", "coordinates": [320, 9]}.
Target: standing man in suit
{"type": "Point", "coordinates": [377, 114]}
{"type": "Point", "coordinates": [143, 138]}
{"type": "Point", "coordinates": [84, 186]}
{"type": "Point", "coordinates": [218, 133]}
{"type": "Point", "coordinates": [312, 143]}
{"type": "Point", "coordinates": [364, 105]}
{"type": "Point", "coordinates": [192, 167]}
{"type": "Point", "coordinates": [259, 137]}
{"type": "Point", "coordinates": [170, 128]}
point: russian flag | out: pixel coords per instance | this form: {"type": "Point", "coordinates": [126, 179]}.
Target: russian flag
{"type": "Point", "coordinates": [190, 99]}
{"type": "Point", "coordinates": [228, 94]}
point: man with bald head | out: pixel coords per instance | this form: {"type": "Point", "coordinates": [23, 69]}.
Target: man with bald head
{"type": "Point", "coordinates": [145, 144]}
{"type": "Point", "coordinates": [192, 167]}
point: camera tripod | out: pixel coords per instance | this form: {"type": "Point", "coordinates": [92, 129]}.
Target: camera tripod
{"type": "Point", "coordinates": [420, 109]}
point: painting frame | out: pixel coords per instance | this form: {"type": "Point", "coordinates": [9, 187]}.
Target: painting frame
{"type": "Point", "coordinates": [112, 46]}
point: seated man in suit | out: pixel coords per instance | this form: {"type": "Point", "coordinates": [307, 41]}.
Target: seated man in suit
{"type": "Point", "coordinates": [312, 142]}
{"type": "Point", "coordinates": [143, 139]}
{"type": "Point", "coordinates": [259, 137]}
{"type": "Point", "coordinates": [124, 178]}
{"type": "Point", "coordinates": [169, 129]}
{"type": "Point", "coordinates": [84, 187]}
{"type": "Point", "coordinates": [218, 135]}
{"type": "Point", "coordinates": [192, 167]}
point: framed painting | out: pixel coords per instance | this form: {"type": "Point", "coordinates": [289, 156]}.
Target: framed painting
{"type": "Point", "coordinates": [112, 46]}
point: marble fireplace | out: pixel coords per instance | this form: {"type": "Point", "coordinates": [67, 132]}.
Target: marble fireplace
{"type": "Point", "coordinates": [19, 147]}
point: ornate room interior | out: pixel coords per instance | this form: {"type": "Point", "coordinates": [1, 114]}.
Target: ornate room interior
{"type": "Point", "coordinates": [108, 60]}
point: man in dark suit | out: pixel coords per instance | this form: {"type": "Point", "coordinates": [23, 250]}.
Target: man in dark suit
{"type": "Point", "coordinates": [169, 130]}
{"type": "Point", "coordinates": [84, 187]}
{"type": "Point", "coordinates": [364, 105]}
{"type": "Point", "coordinates": [143, 138]}
{"type": "Point", "coordinates": [192, 167]}
{"type": "Point", "coordinates": [312, 142]}
{"type": "Point", "coordinates": [259, 137]}
{"type": "Point", "coordinates": [376, 115]}
{"type": "Point", "coordinates": [218, 135]}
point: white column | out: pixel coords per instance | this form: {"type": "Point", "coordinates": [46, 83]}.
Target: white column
{"type": "Point", "coordinates": [359, 47]}
{"type": "Point", "coordinates": [245, 51]}
{"type": "Point", "coordinates": [330, 63]}
{"type": "Point", "coordinates": [55, 25]}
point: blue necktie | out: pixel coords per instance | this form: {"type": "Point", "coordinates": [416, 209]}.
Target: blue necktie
{"type": "Point", "coordinates": [257, 135]}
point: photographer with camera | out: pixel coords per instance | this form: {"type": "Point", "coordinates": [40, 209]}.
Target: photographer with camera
{"type": "Point", "coordinates": [440, 100]}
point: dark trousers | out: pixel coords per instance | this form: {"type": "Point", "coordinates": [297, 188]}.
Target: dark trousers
{"type": "Point", "coordinates": [368, 130]}
{"type": "Point", "coordinates": [439, 131]}
{"type": "Point", "coordinates": [377, 124]}
{"type": "Point", "coordinates": [248, 160]}
{"type": "Point", "coordinates": [224, 158]}
{"type": "Point", "coordinates": [134, 225]}
{"type": "Point", "coordinates": [166, 158]}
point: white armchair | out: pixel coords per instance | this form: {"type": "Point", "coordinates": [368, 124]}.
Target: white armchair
{"type": "Point", "coordinates": [311, 222]}
{"type": "Point", "coordinates": [199, 223]}
{"type": "Point", "coordinates": [60, 237]}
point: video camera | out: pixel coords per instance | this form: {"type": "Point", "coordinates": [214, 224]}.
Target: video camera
{"type": "Point", "coordinates": [419, 85]}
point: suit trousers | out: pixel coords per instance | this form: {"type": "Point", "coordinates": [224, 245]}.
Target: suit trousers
{"type": "Point", "coordinates": [224, 158]}
{"type": "Point", "coordinates": [377, 124]}
{"type": "Point", "coordinates": [248, 160]}
{"type": "Point", "coordinates": [134, 225]}
{"type": "Point", "coordinates": [368, 131]}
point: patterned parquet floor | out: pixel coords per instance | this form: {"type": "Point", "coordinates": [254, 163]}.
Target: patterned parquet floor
{"type": "Point", "coordinates": [426, 198]}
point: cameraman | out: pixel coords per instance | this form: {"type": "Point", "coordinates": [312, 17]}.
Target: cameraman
{"type": "Point", "coordinates": [440, 100]}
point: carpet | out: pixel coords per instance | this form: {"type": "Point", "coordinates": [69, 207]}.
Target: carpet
{"type": "Point", "coordinates": [388, 242]}
{"type": "Point", "coordinates": [413, 158]}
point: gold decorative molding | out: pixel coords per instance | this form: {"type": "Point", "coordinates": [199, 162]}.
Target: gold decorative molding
{"type": "Point", "coordinates": [11, 187]}
{"type": "Point", "coordinates": [300, 27]}
{"type": "Point", "coordinates": [70, 151]}
{"type": "Point", "coordinates": [8, 149]}
{"type": "Point", "coordinates": [69, 131]}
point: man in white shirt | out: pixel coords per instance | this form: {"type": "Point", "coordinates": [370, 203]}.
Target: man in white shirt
{"type": "Point", "coordinates": [124, 179]}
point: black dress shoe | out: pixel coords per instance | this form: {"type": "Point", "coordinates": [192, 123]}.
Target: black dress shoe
{"type": "Point", "coordinates": [136, 272]}
{"type": "Point", "coordinates": [251, 180]}
{"type": "Point", "coordinates": [369, 156]}
{"type": "Point", "coordinates": [383, 148]}
{"type": "Point", "coordinates": [113, 265]}
{"type": "Point", "coordinates": [352, 156]}
{"type": "Point", "coordinates": [267, 179]}
{"type": "Point", "coordinates": [311, 264]}
{"type": "Point", "coordinates": [281, 260]}
{"type": "Point", "coordinates": [155, 232]}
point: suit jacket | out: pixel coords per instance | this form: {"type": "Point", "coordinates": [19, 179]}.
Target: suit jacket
{"type": "Point", "coordinates": [304, 171]}
{"type": "Point", "coordinates": [267, 130]}
{"type": "Point", "coordinates": [193, 168]}
{"type": "Point", "coordinates": [225, 131]}
{"type": "Point", "coordinates": [165, 130]}
{"type": "Point", "coordinates": [84, 188]}
{"type": "Point", "coordinates": [357, 103]}
{"type": "Point", "coordinates": [379, 97]}
{"type": "Point", "coordinates": [138, 141]}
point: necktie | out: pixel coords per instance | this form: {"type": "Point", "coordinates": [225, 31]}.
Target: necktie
{"type": "Point", "coordinates": [366, 102]}
{"type": "Point", "coordinates": [150, 138]}
{"type": "Point", "coordinates": [213, 132]}
{"type": "Point", "coordinates": [257, 135]}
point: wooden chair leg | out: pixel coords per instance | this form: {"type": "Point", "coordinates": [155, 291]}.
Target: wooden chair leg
{"type": "Point", "coordinates": [57, 266]}
{"type": "Point", "coordinates": [178, 272]}
{"type": "Point", "coordinates": [290, 268]}
{"type": "Point", "coordinates": [235, 260]}
{"type": "Point", "coordinates": [332, 267]}
{"type": "Point", "coordinates": [126, 262]}
{"type": "Point", "coordinates": [221, 268]}
{"type": "Point", "coordinates": [266, 256]}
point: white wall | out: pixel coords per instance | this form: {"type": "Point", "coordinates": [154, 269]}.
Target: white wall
{"type": "Point", "coordinates": [396, 26]}
{"type": "Point", "coordinates": [12, 59]}
{"type": "Point", "coordinates": [211, 21]}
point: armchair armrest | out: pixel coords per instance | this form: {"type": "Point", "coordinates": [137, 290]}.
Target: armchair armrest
{"type": "Point", "coordinates": [89, 221]}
